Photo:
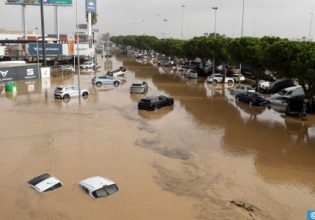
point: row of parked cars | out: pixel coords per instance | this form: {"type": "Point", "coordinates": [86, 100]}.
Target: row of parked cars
{"type": "Point", "coordinates": [289, 100]}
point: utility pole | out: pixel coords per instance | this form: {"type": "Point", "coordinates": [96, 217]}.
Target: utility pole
{"type": "Point", "coordinates": [310, 30]}
{"type": "Point", "coordinates": [215, 35]}
{"type": "Point", "coordinates": [43, 31]}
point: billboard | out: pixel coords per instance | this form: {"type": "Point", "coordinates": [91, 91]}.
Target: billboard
{"type": "Point", "coordinates": [37, 2]}
{"type": "Point", "coordinates": [90, 6]}
{"type": "Point", "coordinates": [50, 49]}
{"type": "Point", "coordinates": [19, 72]}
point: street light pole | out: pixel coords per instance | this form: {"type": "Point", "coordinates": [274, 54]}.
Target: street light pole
{"type": "Point", "coordinates": [182, 24]}
{"type": "Point", "coordinates": [215, 34]}
{"type": "Point", "coordinates": [215, 20]}
{"type": "Point", "coordinates": [43, 31]}
{"type": "Point", "coordinates": [77, 43]}
{"type": "Point", "coordinates": [242, 32]}
{"type": "Point", "coordinates": [242, 28]}
{"type": "Point", "coordinates": [310, 30]}
{"type": "Point", "coordinates": [37, 55]}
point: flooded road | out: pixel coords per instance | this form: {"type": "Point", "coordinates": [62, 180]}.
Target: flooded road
{"type": "Point", "coordinates": [205, 158]}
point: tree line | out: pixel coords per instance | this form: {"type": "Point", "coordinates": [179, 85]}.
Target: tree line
{"type": "Point", "coordinates": [287, 59]}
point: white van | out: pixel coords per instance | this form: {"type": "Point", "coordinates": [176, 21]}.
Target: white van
{"type": "Point", "coordinates": [289, 92]}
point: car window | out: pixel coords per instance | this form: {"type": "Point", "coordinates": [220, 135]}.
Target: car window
{"type": "Point", "coordinates": [289, 93]}
{"type": "Point", "coordinates": [58, 185]}
{"type": "Point", "coordinates": [111, 189]}
{"type": "Point", "coordinates": [100, 193]}
{"type": "Point", "coordinates": [242, 87]}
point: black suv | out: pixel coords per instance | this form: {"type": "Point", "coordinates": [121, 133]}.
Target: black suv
{"type": "Point", "coordinates": [278, 85]}
{"type": "Point", "coordinates": [155, 102]}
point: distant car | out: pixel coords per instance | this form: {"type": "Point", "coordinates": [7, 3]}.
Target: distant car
{"type": "Point", "coordinates": [155, 102]}
{"type": "Point", "coordinates": [45, 182]}
{"type": "Point", "coordinates": [237, 77]}
{"type": "Point", "coordinates": [252, 98]}
{"type": "Point", "coordinates": [218, 78]}
{"type": "Point", "coordinates": [67, 69]}
{"type": "Point", "coordinates": [105, 80]}
{"type": "Point", "coordinates": [289, 92]}
{"type": "Point", "coordinates": [69, 91]}
{"type": "Point", "coordinates": [278, 103]}
{"type": "Point", "coordinates": [240, 89]}
{"type": "Point", "coordinates": [278, 85]}
{"type": "Point", "coordinates": [98, 187]}
{"type": "Point", "coordinates": [118, 72]}
{"type": "Point", "coordinates": [192, 74]}
{"type": "Point", "coordinates": [87, 65]}
{"type": "Point", "coordinates": [139, 87]}
{"type": "Point", "coordinates": [263, 85]}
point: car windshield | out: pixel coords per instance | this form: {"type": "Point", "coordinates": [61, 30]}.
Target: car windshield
{"type": "Point", "coordinates": [105, 191]}
{"type": "Point", "coordinates": [59, 89]}
{"type": "Point", "coordinates": [136, 84]}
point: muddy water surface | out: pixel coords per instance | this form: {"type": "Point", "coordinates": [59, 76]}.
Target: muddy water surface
{"type": "Point", "coordinates": [205, 158]}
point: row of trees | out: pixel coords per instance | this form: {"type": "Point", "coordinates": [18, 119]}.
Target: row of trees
{"type": "Point", "coordinates": [286, 58]}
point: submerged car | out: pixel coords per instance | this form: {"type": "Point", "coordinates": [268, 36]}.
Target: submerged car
{"type": "Point", "coordinates": [252, 98]}
{"type": "Point", "coordinates": [139, 87]}
{"type": "Point", "coordinates": [117, 73]}
{"type": "Point", "coordinates": [218, 78]}
{"type": "Point", "coordinates": [237, 77]}
{"type": "Point", "coordinates": [240, 89]}
{"type": "Point", "coordinates": [98, 187]}
{"type": "Point", "coordinates": [105, 80]}
{"type": "Point", "coordinates": [69, 91]}
{"type": "Point", "coordinates": [45, 182]}
{"type": "Point", "coordinates": [155, 102]}
{"type": "Point", "coordinates": [192, 74]}
{"type": "Point", "coordinates": [87, 65]}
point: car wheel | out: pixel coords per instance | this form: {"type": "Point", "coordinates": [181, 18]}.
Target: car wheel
{"type": "Point", "coordinates": [98, 84]}
{"type": "Point", "coordinates": [215, 81]}
{"type": "Point", "coordinates": [85, 94]}
{"type": "Point", "coordinates": [230, 82]}
{"type": "Point", "coordinates": [66, 96]}
{"type": "Point", "coordinates": [232, 92]}
{"type": "Point", "coordinates": [116, 83]}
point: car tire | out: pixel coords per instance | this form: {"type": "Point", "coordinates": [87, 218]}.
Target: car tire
{"type": "Point", "coordinates": [85, 94]}
{"type": "Point", "coordinates": [230, 82]}
{"type": "Point", "coordinates": [215, 81]}
{"type": "Point", "coordinates": [116, 83]}
{"type": "Point", "coordinates": [66, 96]}
{"type": "Point", "coordinates": [98, 84]}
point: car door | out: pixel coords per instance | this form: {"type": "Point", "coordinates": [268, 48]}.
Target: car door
{"type": "Point", "coordinates": [74, 91]}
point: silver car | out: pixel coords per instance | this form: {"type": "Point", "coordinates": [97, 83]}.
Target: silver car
{"type": "Point", "coordinates": [139, 87]}
{"type": "Point", "coordinates": [69, 91]}
{"type": "Point", "coordinates": [241, 88]}
{"type": "Point", "coordinates": [105, 80]}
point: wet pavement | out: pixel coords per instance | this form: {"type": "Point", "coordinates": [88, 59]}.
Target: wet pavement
{"type": "Point", "coordinates": [205, 158]}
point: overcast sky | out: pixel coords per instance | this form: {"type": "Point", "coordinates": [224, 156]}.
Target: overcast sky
{"type": "Point", "coordinates": [284, 18]}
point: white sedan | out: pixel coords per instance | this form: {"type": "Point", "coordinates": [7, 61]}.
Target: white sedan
{"type": "Point", "coordinates": [218, 78]}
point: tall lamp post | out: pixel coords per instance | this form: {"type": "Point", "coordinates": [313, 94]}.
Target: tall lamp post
{"type": "Point", "coordinates": [37, 55]}
{"type": "Point", "coordinates": [215, 20]}
{"type": "Point", "coordinates": [77, 43]}
{"type": "Point", "coordinates": [215, 34]}
{"type": "Point", "coordinates": [43, 30]}
{"type": "Point", "coordinates": [182, 23]}
{"type": "Point", "coordinates": [242, 32]}
{"type": "Point", "coordinates": [310, 30]}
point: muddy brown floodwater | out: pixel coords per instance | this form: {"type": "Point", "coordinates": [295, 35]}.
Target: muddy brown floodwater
{"type": "Point", "coordinates": [205, 158]}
